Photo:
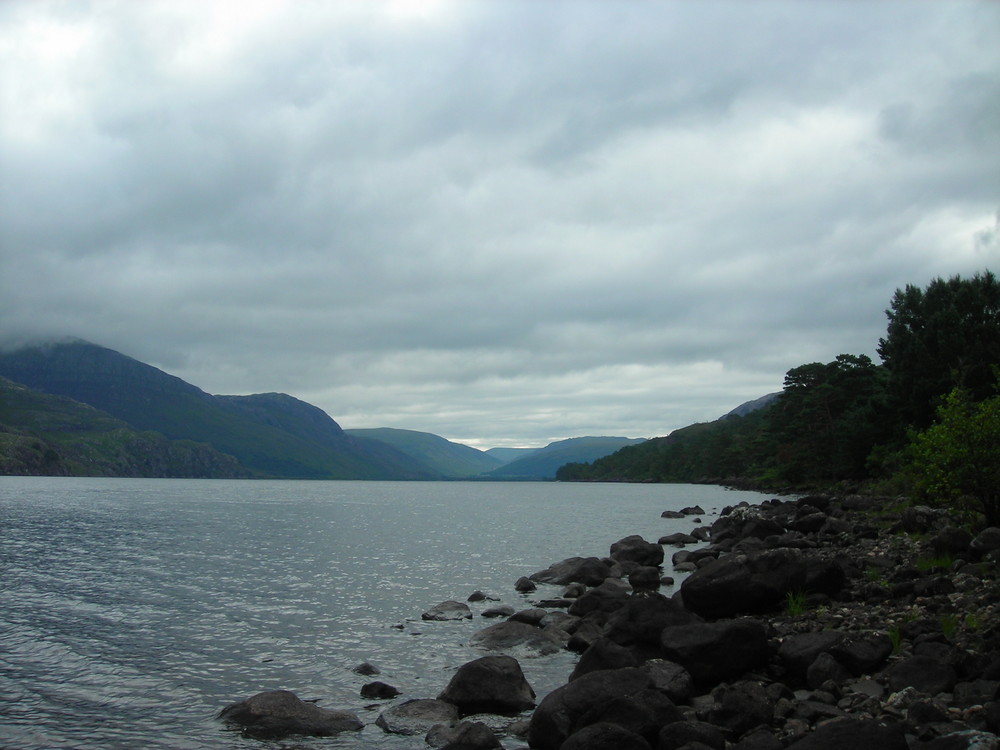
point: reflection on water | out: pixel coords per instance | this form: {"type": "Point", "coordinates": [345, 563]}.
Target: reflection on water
{"type": "Point", "coordinates": [131, 611]}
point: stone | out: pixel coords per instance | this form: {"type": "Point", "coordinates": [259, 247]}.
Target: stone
{"type": "Point", "coordinates": [986, 541]}
{"type": "Point", "coordinates": [378, 691]}
{"type": "Point", "coordinates": [798, 651]}
{"type": "Point", "coordinates": [367, 669]}
{"type": "Point", "coordinates": [677, 540]}
{"type": "Point", "coordinates": [589, 570]}
{"type": "Point", "coordinates": [824, 669]}
{"type": "Point", "coordinates": [644, 578]}
{"type": "Point", "coordinates": [276, 714]}
{"type": "Point", "coordinates": [524, 585]}
{"type": "Point", "coordinates": [862, 653]}
{"type": "Point", "coordinates": [740, 707]}
{"type": "Point", "coordinates": [502, 610]}
{"type": "Point", "coordinates": [603, 653]}
{"type": "Point", "coordinates": [466, 735]}
{"type": "Point", "coordinates": [605, 736]}
{"type": "Point", "coordinates": [923, 673]}
{"type": "Point", "coordinates": [604, 598]}
{"type": "Point", "coordinates": [490, 684]}
{"type": "Point", "coordinates": [855, 734]}
{"type": "Point", "coordinates": [636, 549]}
{"type": "Point", "coordinates": [639, 622]}
{"type": "Point", "coordinates": [553, 718]}
{"type": "Point", "coordinates": [449, 610]}
{"type": "Point", "coordinates": [676, 735]}
{"type": "Point", "coordinates": [642, 712]}
{"type": "Point", "coordinates": [416, 716]}
{"type": "Point", "coordinates": [670, 678]}
{"type": "Point", "coordinates": [715, 651]}
{"type": "Point", "coordinates": [745, 584]}
{"type": "Point", "coordinates": [516, 638]}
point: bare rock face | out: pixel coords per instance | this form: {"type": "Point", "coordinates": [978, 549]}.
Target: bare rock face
{"type": "Point", "coordinates": [491, 684]}
{"type": "Point", "coordinates": [279, 713]}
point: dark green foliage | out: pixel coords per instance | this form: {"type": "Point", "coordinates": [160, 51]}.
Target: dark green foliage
{"type": "Point", "coordinates": [449, 459]}
{"type": "Point", "coordinates": [940, 338]}
{"type": "Point", "coordinates": [832, 420]}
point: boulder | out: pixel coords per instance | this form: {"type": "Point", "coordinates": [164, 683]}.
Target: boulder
{"type": "Point", "coordinates": [862, 653]}
{"type": "Point", "coordinates": [677, 540]}
{"type": "Point", "coordinates": [607, 597]}
{"type": "Point", "coordinates": [450, 610]}
{"type": "Point", "coordinates": [416, 716]}
{"type": "Point", "coordinates": [589, 570]}
{"type": "Point", "coordinates": [642, 712]}
{"type": "Point", "coordinates": [715, 651]}
{"type": "Point", "coordinates": [490, 684]}
{"type": "Point", "coordinates": [636, 549]}
{"type": "Point", "coordinates": [986, 541]}
{"type": "Point", "coordinates": [516, 638]}
{"type": "Point", "coordinates": [926, 674]}
{"type": "Point", "coordinates": [678, 734]}
{"type": "Point", "coordinates": [603, 654]}
{"type": "Point", "coordinates": [555, 717]}
{"type": "Point", "coordinates": [466, 735]}
{"type": "Point", "coordinates": [693, 510]}
{"type": "Point", "coordinates": [501, 610]}
{"type": "Point", "coordinates": [798, 651]}
{"type": "Point", "coordinates": [524, 585]}
{"type": "Point", "coordinates": [740, 707]}
{"type": "Point", "coordinates": [645, 578]}
{"type": "Point", "coordinates": [378, 691]}
{"type": "Point", "coordinates": [367, 669]}
{"type": "Point", "coordinates": [745, 584]}
{"type": "Point", "coordinates": [638, 623]}
{"type": "Point", "coordinates": [605, 736]}
{"type": "Point", "coordinates": [856, 734]}
{"type": "Point", "coordinates": [670, 678]}
{"type": "Point", "coordinates": [278, 713]}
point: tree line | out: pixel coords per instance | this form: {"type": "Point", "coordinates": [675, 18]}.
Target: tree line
{"type": "Point", "coordinates": [924, 422]}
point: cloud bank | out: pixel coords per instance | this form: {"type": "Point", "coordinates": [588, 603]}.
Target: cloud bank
{"type": "Point", "coordinates": [502, 222]}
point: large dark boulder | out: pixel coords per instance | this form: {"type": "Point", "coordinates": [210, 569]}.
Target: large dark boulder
{"type": "Point", "coordinates": [416, 716]}
{"type": "Point", "coordinates": [853, 734]}
{"type": "Point", "coordinates": [278, 713]}
{"type": "Point", "coordinates": [603, 654]}
{"type": "Point", "coordinates": [681, 733]}
{"type": "Point", "coordinates": [923, 673]}
{"type": "Point", "coordinates": [670, 679]}
{"type": "Point", "coordinates": [605, 736]}
{"type": "Point", "coordinates": [607, 597]}
{"type": "Point", "coordinates": [863, 653]}
{"type": "Point", "coordinates": [466, 735]}
{"type": "Point", "coordinates": [643, 712]}
{"type": "Point", "coordinates": [638, 623]}
{"type": "Point", "coordinates": [740, 707]}
{"type": "Point", "coordinates": [715, 651]}
{"type": "Point", "coordinates": [745, 584]}
{"type": "Point", "coordinates": [799, 650]}
{"type": "Point", "coordinates": [555, 718]}
{"type": "Point", "coordinates": [589, 570]}
{"type": "Point", "coordinates": [450, 610]}
{"type": "Point", "coordinates": [517, 638]}
{"type": "Point", "coordinates": [490, 684]}
{"type": "Point", "coordinates": [637, 550]}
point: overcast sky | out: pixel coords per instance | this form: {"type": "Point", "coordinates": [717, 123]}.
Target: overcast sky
{"type": "Point", "coordinates": [502, 222]}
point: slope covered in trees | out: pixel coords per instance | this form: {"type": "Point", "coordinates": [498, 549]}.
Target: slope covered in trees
{"type": "Point", "coordinates": [851, 421]}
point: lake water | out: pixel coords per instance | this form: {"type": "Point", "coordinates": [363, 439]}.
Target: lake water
{"type": "Point", "coordinates": [132, 610]}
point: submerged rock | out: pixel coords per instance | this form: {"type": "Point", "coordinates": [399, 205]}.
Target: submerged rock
{"type": "Point", "coordinates": [416, 716]}
{"type": "Point", "coordinates": [278, 713]}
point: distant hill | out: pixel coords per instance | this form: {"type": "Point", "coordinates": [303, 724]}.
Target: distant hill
{"type": "Point", "coordinates": [751, 406]}
{"type": "Point", "coordinates": [271, 434]}
{"type": "Point", "coordinates": [544, 462]}
{"type": "Point", "coordinates": [451, 460]}
{"type": "Point", "coordinates": [506, 455]}
{"type": "Point", "coordinates": [46, 435]}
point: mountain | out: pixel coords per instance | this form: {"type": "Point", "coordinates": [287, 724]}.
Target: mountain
{"type": "Point", "coordinates": [46, 435]}
{"type": "Point", "coordinates": [544, 462]}
{"type": "Point", "coordinates": [269, 434]}
{"type": "Point", "coordinates": [451, 460]}
{"type": "Point", "coordinates": [751, 406]}
{"type": "Point", "coordinates": [506, 455]}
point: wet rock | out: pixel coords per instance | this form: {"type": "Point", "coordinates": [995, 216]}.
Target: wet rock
{"type": "Point", "coordinates": [450, 610]}
{"type": "Point", "coordinates": [607, 597]}
{"type": "Point", "coordinates": [643, 712]}
{"type": "Point", "coordinates": [524, 585]}
{"type": "Point", "coordinates": [378, 691]}
{"type": "Point", "coordinates": [740, 707]}
{"type": "Point", "coordinates": [490, 684]}
{"type": "Point", "coordinates": [367, 669]}
{"type": "Point", "coordinates": [678, 734]}
{"type": "Point", "coordinates": [639, 622]}
{"type": "Point", "coordinates": [553, 719]}
{"type": "Point", "coordinates": [516, 638]}
{"type": "Point", "coordinates": [466, 735]}
{"type": "Point", "coordinates": [637, 550]}
{"type": "Point", "coordinates": [278, 713]}
{"type": "Point", "coordinates": [416, 716]}
{"type": "Point", "coordinates": [589, 570]}
{"type": "Point", "coordinates": [670, 678]}
{"type": "Point", "coordinates": [645, 578]}
{"type": "Point", "coordinates": [503, 610]}
{"type": "Point", "coordinates": [677, 540]}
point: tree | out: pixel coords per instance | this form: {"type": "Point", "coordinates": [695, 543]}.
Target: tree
{"type": "Point", "coordinates": [957, 460]}
{"type": "Point", "coordinates": [940, 338]}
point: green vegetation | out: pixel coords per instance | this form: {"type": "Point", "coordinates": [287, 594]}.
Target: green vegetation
{"type": "Point", "coordinates": [925, 422]}
{"type": "Point", "coordinates": [795, 604]}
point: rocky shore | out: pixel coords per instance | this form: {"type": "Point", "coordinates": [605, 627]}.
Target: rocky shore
{"type": "Point", "coordinates": [819, 622]}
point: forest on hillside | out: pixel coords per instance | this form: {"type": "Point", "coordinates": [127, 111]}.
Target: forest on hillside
{"type": "Point", "coordinates": [925, 422]}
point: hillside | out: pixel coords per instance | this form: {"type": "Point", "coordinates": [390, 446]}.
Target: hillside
{"type": "Point", "coordinates": [451, 460]}
{"type": "Point", "coordinates": [46, 435]}
{"type": "Point", "coordinates": [270, 434]}
{"type": "Point", "coordinates": [543, 463]}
